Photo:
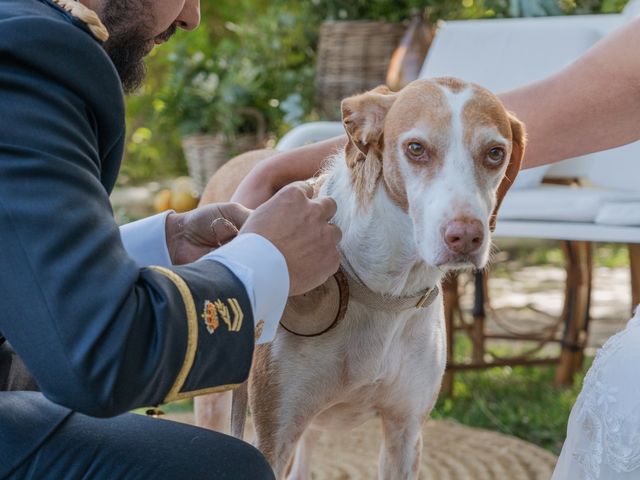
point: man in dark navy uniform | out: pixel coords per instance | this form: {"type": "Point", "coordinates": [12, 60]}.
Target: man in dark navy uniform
{"type": "Point", "coordinates": [103, 320]}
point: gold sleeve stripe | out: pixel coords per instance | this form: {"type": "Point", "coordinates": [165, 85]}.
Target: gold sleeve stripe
{"type": "Point", "coordinates": [205, 391]}
{"type": "Point", "coordinates": [238, 316]}
{"type": "Point", "coordinates": [192, 331]}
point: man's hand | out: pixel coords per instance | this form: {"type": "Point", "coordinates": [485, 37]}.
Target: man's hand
{"type": "Point", "coordinates": [299, 227]}
{"type": "Point", "coordinates": [194, 234]}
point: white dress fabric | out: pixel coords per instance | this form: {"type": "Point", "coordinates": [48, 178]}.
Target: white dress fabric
{"type": "Point", "coordinates": [603, 435]}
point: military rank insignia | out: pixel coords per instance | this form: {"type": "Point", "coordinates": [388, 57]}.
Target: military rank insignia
{"type": "Point", "coordinates": [210, 317]}
{"type": "Point", "coordinates": [219, 312]}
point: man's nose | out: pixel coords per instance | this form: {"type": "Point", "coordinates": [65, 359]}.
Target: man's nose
{"type": "Point", "coordinates": [189, 18]}
{"type": "Point", "coordinates": [464, 235]}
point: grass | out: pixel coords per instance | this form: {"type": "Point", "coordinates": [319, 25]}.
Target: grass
{"type": "Point", "coordinates": [518, 401]}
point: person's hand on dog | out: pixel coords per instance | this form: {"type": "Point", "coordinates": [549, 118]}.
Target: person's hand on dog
{"type": "Point", "coordinates": [193, 234]}
{"type": "Point", "coordinates": [299, 227]}
{"type": "Point", "coordinates": [258, 186]}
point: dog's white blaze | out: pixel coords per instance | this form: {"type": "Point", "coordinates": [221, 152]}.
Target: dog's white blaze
{"type": "Point", "coordinates": [458, 177]}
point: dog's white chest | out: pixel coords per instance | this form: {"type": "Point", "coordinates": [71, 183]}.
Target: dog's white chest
{"type": "Point", "coordinates": [390, 363]}
{"type": "Point", "coordinates": [390, 359]}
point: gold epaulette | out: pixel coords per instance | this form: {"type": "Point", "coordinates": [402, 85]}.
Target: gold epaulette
{"type": "Point", "coordinates": [86, 16]}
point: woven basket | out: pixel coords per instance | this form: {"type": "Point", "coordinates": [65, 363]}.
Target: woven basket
{"type": "Point", "coordinates": [206, 153]}
{"type": "Point", "coordinates": [353, 56]}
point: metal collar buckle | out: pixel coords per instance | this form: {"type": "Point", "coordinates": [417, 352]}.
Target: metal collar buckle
{"type": "Point", "coordinates": [424, 299]}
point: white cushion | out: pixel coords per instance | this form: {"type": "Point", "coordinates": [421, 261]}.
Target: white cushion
{"type": "Point", "coordinates": [307, 133]}
{"type": "Point", "coordinates": [619, 213]}
{"type": "Point", "coordinates": [559, 203]}
{"type": "Point", "coordinates": [618, 168]}
{"type": "Point", "coordinates": [589, 232]}
{"type": "Point", "coordinates": [632, 9]}
{"type": "Point", "coordinates": [530, 178]}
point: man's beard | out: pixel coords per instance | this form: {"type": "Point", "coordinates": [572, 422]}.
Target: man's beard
{"type": "Point", "coordinates": [130, 33]}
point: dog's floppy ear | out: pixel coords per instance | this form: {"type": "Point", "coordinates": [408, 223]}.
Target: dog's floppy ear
{"type": "Point", "coordinates": [519, 140]}
{"type": "Point", "coordinates": [363, 118]}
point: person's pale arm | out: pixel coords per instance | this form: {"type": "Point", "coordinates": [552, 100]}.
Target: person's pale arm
{"type": "Point", "coordinates": [275, 172]}
{"type": "Point", "coordinates": [592, 105]}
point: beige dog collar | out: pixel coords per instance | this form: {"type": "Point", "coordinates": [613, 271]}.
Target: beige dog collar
{"type": "Point", "coordinates": [389, 303]}
{"type": "Point", "coordinates": [306, 315]}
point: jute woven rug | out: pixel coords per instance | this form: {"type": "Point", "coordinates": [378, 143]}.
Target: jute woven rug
{"type": "Point", "coordinates": [451, 451]}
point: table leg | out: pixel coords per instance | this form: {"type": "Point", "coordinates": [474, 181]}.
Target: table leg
{"type": "Point", "coordinates": [479, 316]}
{"type": "Point", "coordinates": [451, 296]}
{"type": "Point", "coordinates": [576, 309]}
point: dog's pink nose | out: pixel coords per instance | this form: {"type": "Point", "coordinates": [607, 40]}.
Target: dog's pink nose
{"type": "Point", "coordinates": [464, 235]}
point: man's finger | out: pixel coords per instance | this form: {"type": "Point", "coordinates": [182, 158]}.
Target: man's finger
{"type": "Point", "coordinates": [336, 232]}
{"type": "Point", "coordinates": [305, 187]}
{"type": "Point", "coordinates": [223, 230]}
{"type": "Point", "coordinates": [235, 213]}
{"type": "Point", "coordinates": [329, 207]}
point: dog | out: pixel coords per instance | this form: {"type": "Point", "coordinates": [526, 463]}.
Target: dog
{"type": "Point", "coordinates": [418, 187]}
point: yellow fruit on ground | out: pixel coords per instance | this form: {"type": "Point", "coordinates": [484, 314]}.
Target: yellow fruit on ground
{"type": "Point", "coordinates": [162, 200]}
{"type": "Point", "coordinates": [183, 184]}
{"type": "Point", "coordinates": [183, 201]}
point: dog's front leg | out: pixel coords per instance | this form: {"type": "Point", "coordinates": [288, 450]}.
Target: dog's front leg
{"type": "Point", "coordinates": [401, 447]}
{"type": "Point", "coordinates": [213, 411]}
{"type": "Point", "coordinates": [301, 467]}
{"type": "Point", "coordinates": [279, 446]}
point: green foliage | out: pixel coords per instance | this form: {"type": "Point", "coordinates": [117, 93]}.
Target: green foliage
{"type": "Point", "coordinates": [592, 6]}
{"type": "Point", "coordinates": [399, 10]}
{"type": "Point", "coordinates": [257, 55]}
{"type": "Point", "coordinates": [263, 64]}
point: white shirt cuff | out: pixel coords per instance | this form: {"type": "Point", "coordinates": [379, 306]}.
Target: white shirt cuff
{"type": "Point", "coordinates": [146, 241]}
{"type": "Point", "coordinates": [263, 270]}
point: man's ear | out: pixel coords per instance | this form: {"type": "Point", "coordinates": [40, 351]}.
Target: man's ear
{"type": "Point", "coordinates": [363, 118]}
{"type": "Point", "coordinates": [519, 140]}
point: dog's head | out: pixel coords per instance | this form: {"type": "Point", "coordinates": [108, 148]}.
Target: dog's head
{"type": "Point", "coordinates": [446, 152]}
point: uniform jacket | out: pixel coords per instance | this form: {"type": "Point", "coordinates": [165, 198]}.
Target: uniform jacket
{"type": "Point", "coordinates": [99, 334]}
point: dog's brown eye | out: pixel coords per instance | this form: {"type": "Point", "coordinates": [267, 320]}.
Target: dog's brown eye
{"type": "Point", "coordinates": [416, 149]}
{"type": "Point", "coordinates": [495, 156]}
